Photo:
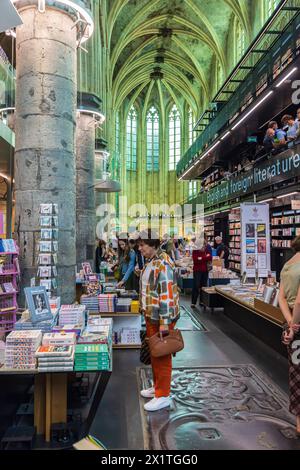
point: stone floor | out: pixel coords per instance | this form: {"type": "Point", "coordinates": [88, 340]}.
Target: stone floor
{"type": "Point", "coordinates": [224, 346]}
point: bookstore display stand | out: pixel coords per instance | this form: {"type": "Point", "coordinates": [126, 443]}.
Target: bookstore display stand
{"type": "Point", "coordinates": [50, 408]}
{"type": "Point", "coordinates": [235, 240]}
{"type": "Point", "coordinates": [285, 226]}
{"type": "Point", "coordinates": [48, 247]}
{"type": "Point", "coordinates": [121, 320]}
{"type": "Point", "coordinates": [9, 276]}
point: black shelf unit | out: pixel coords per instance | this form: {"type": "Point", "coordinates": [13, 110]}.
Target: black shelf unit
{"type": "Point", "coordinates": [281, 254]}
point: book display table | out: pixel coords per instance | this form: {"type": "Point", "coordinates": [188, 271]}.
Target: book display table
{"type": "Point", "coordinates": [51, 407]}
{"type": "Point", "coordinates": [260, 319]}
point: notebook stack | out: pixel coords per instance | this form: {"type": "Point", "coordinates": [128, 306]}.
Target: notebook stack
{"type": "Point", "coordinates": [20, 349]}
{"type": "Point", "coordinates": [72, 315]}
{"type": "Point", "coordinates": [92, 357]}
{"type": "Point", "coordinates": [107, 303]}
{"type": "Point", "coordinates": [90, 302]}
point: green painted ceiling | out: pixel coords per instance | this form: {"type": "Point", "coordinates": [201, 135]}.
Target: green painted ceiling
{"type": "Point", "coordinates": [190, 34]}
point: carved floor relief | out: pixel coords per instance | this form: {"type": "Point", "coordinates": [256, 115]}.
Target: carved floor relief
{"type": "Point", "coordinates": [233, 407]}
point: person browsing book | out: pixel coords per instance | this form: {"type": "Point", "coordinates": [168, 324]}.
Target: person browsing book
{"type": "Point", "coordinates": [159, 303]}
{"type": "Point", "coordinates": [201, 258]}
{"type": "Point", "coordinates": [126, 264]}
{"type": "Point", "coordinates": [222, 251]}
{"type": "Point", "coordinates": [101, 255]}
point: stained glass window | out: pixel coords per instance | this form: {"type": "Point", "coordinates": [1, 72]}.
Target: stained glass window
{"type": "Point", "coordinates": [152, 140]}
{"type": "Point", "coordinates": [174, 138]}
{"type": "Point", "coordinates": [131, 139]}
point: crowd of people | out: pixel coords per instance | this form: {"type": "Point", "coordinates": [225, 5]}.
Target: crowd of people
{"type": "Point", "coordinates": [128, 262]}
{"type": "Point", "coordinates": [276, 139]}
{"type": "Point", "coordinates": [143, 262]}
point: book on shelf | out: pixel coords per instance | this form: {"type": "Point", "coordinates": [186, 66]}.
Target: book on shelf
{"type": "Point", "coordinates": [8, 288]}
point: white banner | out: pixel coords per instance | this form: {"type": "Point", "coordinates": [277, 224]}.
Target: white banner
{"type": "Point", "coordinates": [255, 240]}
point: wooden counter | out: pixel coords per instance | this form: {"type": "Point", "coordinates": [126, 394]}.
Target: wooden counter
{"type": "Point", "coordinates": [260, 319]}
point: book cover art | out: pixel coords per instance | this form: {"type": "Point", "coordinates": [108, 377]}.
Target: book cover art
{"type": "Point", "coordinates": [54, 351]}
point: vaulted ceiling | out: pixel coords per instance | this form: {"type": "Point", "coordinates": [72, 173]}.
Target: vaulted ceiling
{"type": "Point", "coordinates": [169, 46]}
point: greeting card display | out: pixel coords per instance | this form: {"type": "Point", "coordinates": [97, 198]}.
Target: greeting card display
{"type": "Point", "coordinates": [48, 248]}
{"type": "Point", "coordinates": [9, 284]}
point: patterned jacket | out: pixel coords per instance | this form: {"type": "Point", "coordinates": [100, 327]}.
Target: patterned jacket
{"type": "Point", "coordinates": [162, 298]}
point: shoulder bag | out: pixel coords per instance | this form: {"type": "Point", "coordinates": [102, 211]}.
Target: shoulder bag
{"type": "Point", "coordinates": [164, 345]}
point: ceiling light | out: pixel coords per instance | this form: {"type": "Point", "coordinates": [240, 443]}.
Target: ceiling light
{"type": "Point", "coordinates": [4, 110]}
{"type": "Point", "coordinates": [253, 109]}
{"type": "Point", "coordinates": [82, 11]}
{"type": "Point", "coordinates": [266, 200]}
{"type": "Point", "coordinates": [211, 148]}
{"type": "Point", "coordinates": [100, 116]}
{"type": "Point", "coordinates": [286, 77]}
{"type": "Point", "coordinates": [287, 195]}
{"type": "Point", "coordinates": [225, 135]}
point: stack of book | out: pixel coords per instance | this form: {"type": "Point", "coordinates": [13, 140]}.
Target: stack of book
{"type": "Point", "coordinates": [98, 330]}
{"type": "Point", "coordinates": [55, 358]}
{"type": "Point", "coordinates": [107, 303]}
{"type": "Point", "coordinates": [2, 353]}
{"type": "Point", "coordinates": [25, 324]}
{"type": "Point", "coordinates": [92, 357]}
{"type": "Point", "coordinates": [20, 349]}
{"type": "Point", "coordinates": [72, 314]}
{"type": "Point", "coordinates": [123, 305]}
{"type": "Point", "coordinates": [59, 339]}
{"type": "Point", "coordinates": [45, 326]}
{"type": "Point", "coordinates": [77, 329]}
{"type": "Point", "coordinates": [90, 302]}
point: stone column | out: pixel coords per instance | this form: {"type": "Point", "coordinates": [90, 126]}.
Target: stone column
{"type": "Point", "coordinates": [85, 189]}
{"type": "Point", "coordinates": [45, 131]}
{"type": "Point", "coordinates": [101, 198]}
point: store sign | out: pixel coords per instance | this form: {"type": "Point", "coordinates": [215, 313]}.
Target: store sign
{"type": "Point", "coordinates": [255, 240]}
{"type": "Point", "coordinates": [277, 169]}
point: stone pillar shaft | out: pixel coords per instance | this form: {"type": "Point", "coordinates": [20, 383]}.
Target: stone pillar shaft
{"type": "Point", "coordinates": [85, 189]}
{"type": "Point", "coordinates": [46, 95]}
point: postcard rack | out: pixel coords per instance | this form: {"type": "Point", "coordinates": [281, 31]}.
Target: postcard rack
{"type": "Point", "coordinates": [48, 248]}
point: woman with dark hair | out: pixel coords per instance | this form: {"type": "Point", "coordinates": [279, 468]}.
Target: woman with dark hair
{"type": "Point", "coordinates": [201, 259]}
{"type": "Point", "coordinates": [101, 255]}
{"type": "Point", "coordinates": [139, 263]}
{"type": "Point", "coordinates": [289, 301]}
{"type": "Point", "coordinates": [126, 263]}
{"type": "Point", "coordinates": [159, 303]}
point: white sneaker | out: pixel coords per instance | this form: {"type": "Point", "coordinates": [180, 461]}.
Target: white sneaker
{"type": "Point", "coordinates": [149, 393]}
{"type": "Point", "coordinates": [158, 404]}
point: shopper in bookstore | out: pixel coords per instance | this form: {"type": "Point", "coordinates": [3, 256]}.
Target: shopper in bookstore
{"type": "Point", "coordinates": [202, 258]}
{"type": "Point", "coordinates": [124, 268]}
{"type": "Point", "coordinates": [101, 255]}
{"type": "Point", "coordinates": [289, 301]}
{"type": "Point", "coordinates": [139, 260]}
{"type": "Point", "coordinates": [222, 251]}
{"type": "Point", "coordinates": [159, 303]}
